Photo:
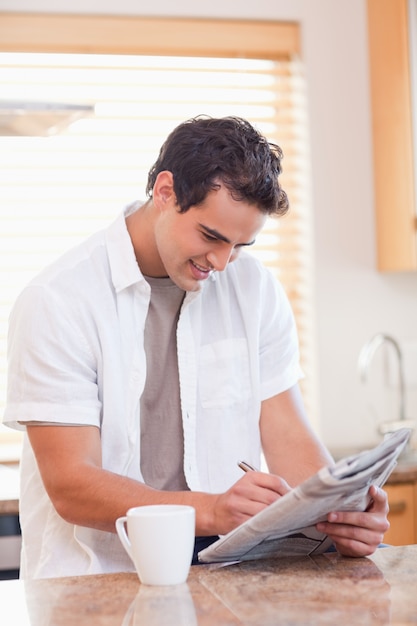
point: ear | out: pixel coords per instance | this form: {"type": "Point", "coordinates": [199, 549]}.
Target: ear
{"type": "Point", "coordinates": [163, 191]}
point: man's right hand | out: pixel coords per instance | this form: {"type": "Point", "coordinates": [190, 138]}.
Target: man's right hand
{"type": "Point", "coordinates": [247, 497]}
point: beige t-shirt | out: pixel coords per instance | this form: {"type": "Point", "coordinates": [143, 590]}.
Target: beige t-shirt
{"type": "Point", "coordinates": [162, 439]}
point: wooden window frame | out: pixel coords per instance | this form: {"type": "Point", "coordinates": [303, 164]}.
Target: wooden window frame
{"type": "Point", "coordinates": [30, 32]}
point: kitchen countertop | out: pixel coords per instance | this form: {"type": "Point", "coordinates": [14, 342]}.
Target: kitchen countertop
{"type": "Point", "coordinates": [326, 589]}
{"type": "Point", "coordinates": [403, 473]}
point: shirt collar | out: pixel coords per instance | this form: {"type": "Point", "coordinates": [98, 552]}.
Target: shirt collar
{"type": "Point", "coordinates": [123, 265]}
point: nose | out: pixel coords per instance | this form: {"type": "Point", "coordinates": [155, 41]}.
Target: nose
{"type": "Point", "coordinates": [218, 259]}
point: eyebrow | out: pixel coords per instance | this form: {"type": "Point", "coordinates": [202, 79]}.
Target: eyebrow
{"type": "Point", "coordinates": [215, 233]}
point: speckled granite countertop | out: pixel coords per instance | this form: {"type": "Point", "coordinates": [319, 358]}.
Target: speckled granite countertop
{"type": "Point", "coordinates": [326, 589]}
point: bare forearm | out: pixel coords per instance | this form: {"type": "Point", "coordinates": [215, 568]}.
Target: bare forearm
{"type": "Point", "coordinates": [291, 448]}
{"type": "Point", "coordinates": [96, 498]}
{"type": "Point", "coordinates": [83, 493]}
{"type": "Point", "coordinates": [301, 461]}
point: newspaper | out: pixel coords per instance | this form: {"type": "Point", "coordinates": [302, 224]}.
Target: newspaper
{"type": "Point", "coordinates": [287, 527]}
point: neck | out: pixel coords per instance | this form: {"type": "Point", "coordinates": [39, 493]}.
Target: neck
{"type": "Point", "coordinates": [140, 226]}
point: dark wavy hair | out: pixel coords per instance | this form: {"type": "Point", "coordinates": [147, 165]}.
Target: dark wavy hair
{"type": "Point", "coordinates": [204, 151]}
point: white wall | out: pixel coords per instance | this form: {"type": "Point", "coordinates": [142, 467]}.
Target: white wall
{"type": "Point", "coordinates": [353, 301]}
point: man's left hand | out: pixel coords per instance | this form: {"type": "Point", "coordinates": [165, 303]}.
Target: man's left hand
{"type": "Point", "coordinates": [360, 533]}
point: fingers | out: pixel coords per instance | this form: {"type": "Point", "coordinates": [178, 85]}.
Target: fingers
{"type": "Point", "coordinates": [263, 487]}
{"type": "Point", "coordinates": [255, 491]}
{"type": "Point", "coordinates": [379, 500]}
{"type": "Point", "coordinates": [359, 533]}
{"type": "Point", "coordinates": [247, 497]}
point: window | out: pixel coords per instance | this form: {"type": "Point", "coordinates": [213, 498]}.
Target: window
{"type": "Point", "coordinates": [55, 190]}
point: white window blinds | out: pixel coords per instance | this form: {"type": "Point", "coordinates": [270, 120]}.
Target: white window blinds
{"type": "Point", "coordinates": [56, 190]}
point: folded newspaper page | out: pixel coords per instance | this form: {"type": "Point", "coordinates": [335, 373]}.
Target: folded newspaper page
{"type": "Point", "coordinates": [287, 527]}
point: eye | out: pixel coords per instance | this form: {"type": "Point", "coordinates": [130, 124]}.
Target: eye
{"type": "Point", "coordinates": [209, 237]}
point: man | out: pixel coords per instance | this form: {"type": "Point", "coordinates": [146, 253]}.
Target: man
{"type": "Point", "coordinates": [149, 360]}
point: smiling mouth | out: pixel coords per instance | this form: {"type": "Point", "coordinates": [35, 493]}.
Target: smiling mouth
{"type": "Point", "coordinates": [199, 272]}
{"type": "Point", "coordinates": [201, 269]}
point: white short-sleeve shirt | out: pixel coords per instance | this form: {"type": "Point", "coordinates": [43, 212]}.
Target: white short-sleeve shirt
{"type": "Point", "coordinates": [76, 336]}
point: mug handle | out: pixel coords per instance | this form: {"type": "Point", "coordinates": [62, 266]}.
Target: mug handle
{"type": "Point", "coordinates": [121, 531]}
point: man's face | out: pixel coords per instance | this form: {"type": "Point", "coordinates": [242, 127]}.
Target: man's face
{"type": "Point", "coordinates": [206, 238]}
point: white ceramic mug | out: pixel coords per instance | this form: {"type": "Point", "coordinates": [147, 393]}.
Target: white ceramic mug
{"type": "Point", "coordinates": [160, 541]}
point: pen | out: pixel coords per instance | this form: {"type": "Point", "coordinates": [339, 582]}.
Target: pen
{"type": "Point", "coordinates": [246, 467]}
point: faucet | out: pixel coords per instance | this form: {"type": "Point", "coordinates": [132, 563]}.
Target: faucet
{"type": "Point", "coordinates": [366, 355]}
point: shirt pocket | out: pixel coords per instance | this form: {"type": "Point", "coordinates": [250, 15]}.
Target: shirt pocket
{"type": "Point", "coordinates": [224, 378]}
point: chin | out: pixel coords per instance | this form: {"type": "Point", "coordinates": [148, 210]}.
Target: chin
{"type": "Point", "coordinates": [186, 283]}
{"type": "Point", "coordinates": [196, 287]}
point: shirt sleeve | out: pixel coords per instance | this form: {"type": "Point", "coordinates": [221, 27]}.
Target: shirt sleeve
{"type": "Point", "coordinates": [279, 350]}
{"type": "Point", "coordinates": [51, 368]}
